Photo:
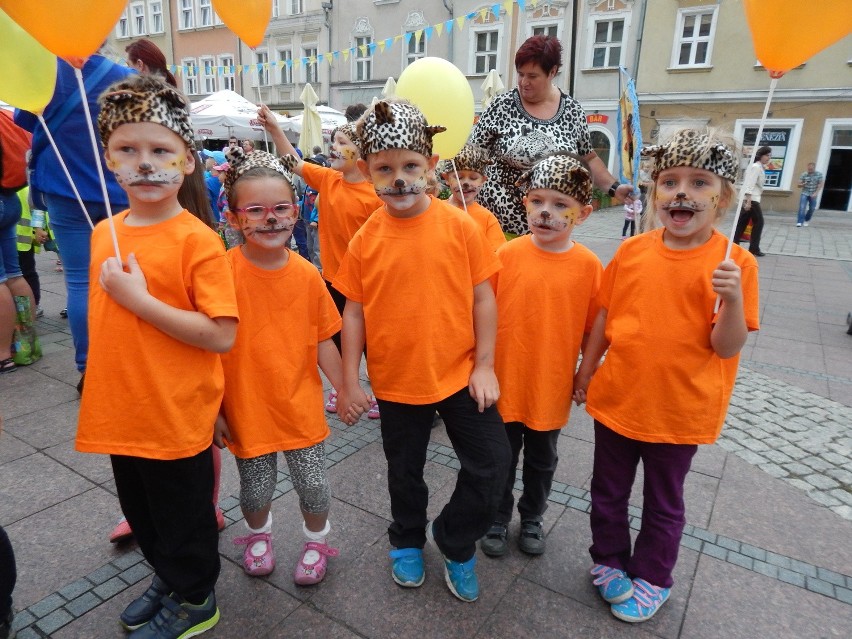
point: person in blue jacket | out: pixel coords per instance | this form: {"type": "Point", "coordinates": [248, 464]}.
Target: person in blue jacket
{"type": "Point", "coordinates": [66, 121]}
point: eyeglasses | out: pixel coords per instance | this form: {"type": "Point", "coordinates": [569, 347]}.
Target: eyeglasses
{"type": "Point", "coordinates": [283, 209]}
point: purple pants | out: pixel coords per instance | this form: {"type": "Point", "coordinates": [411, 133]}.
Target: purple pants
{"type": "Point", "coordinates": [663, 513]}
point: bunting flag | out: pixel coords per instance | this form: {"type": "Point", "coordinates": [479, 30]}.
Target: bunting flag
{"type": "Point", "coordinates": [484, 14]}
{"type": "Point", "coordinates": [629, 130]}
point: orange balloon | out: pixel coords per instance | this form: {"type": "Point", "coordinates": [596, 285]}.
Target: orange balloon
{"type": "Point", "coordinates": [786, 34]}
{"type": "Point", "coordinates": [71, 30]}
{"type": "Point", "coordinates": [247, 18]}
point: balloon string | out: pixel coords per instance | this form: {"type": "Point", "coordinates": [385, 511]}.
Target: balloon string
{"type": "Point", "coordinates": [65, 169]}
{"type": "Point", "coordinates": [260, 103]}
{"type": "Point", "coordinates": [79, 74]}
{"type": "Point", "coordinates": [772, 84]}
{"type": "Point", "coordinates": [458, 183]}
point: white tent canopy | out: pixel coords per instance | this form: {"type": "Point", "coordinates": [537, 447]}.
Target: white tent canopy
{"type": "Point", "coordinates": [331, 119]}
{"type": "Point", "coordinates": [226, 113]}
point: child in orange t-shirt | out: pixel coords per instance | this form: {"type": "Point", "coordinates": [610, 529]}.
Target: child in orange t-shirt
{"type": "Point", "coordinates": [158, 327]}
{"type": "Point", "coordinates": [346, 199]}
{"type": "Point", "coordinates": [465, 175]}
{"type": "Point", "coordinates": [545, 309]}
{"type": "Point", "coordinates": [273, 391]}
{"type": "Point", "coordinates": [658, 324]}
{"type": "Point", "coordinates": [431, 345]}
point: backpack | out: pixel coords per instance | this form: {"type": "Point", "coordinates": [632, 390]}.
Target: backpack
{"type": "Point", "coordinates": [14, 144]}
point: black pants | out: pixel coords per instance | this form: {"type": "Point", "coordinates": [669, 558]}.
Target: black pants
{"type": "Point", "coordinates": [479, 440]}
{"type": "Point", "coordinates": [540, 459]}
{"type": "Point", "coordinates": [755, 215]}
{"type": "Point", "coordinates": [28, 268]}
{"type": "Point", "coordinates": [169, 506]}
{"type": "Point", "coordinates": [8, 574]}
{"type": "Point", "coordinates": [340, 302]}
{"type": "Point", "coordinates": [628, 224]}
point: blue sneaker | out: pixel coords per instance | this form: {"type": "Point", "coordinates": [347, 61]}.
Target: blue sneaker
{"type": "Point", "coordinates": [179, 619]}
{"type": "Point", "coordinates": [613, 584]}
{"type": "Point", "coordinates": [644, 603]}
{"type": "Point", "coordinates": [408, 569]}
{"type": "Point", "coordinates": [142, 609]}
{"type": "Point", "coordinates": [459, 575]}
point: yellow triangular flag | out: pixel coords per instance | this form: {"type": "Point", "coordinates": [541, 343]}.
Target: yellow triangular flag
{"type": "Point", "coordinates": [345, 55]}
{"type": "Point", "coordinates": [483, 14]}
{"type": "Point", "coordinates": [509, 6]}
{"type": "Point", "coordinates": [460, 21]}
{"type": "Point", "coordinates": [440, 29]}
{"type": "Point", "coordinates": [382, 46]}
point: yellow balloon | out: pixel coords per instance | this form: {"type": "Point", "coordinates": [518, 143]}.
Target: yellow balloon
{"type": "Point", "coordinates": [27, 71]}
{"type": "Point", "coordinates": [247, 18]}
{"type": "Point", "coordinates": [443, 93]}
{"type": "Point", "coordinates": [71, 30]}
{"type": "Point", "coordinates": [785, 34]}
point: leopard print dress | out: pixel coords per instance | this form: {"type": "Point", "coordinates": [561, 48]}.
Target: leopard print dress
{"type": "Point", "coordinates": [516, 140]}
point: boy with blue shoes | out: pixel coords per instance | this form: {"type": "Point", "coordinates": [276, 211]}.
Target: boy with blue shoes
{"type": "Point", "coordinates": [416, 279]}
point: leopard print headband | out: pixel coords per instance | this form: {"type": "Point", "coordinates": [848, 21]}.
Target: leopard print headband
{"type": "Point", "coordinates": [560, 172]}
{"type": "Point", "coordinates": [689, 147]}
{"type": "Point", "coordinates": [470, 158]}
{"type": "Point", "coordinates": [144, 98]}
{"type": "Point", "coordinates": [241, 163]}
{"type": "Point", "coordinates": [395, 125]}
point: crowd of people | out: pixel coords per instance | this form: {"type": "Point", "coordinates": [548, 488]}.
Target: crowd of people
{"type": "Point", "coordinates": [211, 303]}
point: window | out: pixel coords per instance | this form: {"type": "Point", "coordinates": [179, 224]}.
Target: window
{"type": "Point", "coordinates": [275, 8]}
{"type": "Point", "coordinates": [190, 76]}
{"type": "Point", "coordinates": [485, 52]}
{"type": "Point", "coordinates": [363, 59]}
{"type": "Point", "coordinates": [137, 25]}
{"type": "Point", "coordinates": [187, 14]}
{"type": "Point", "coordinates": [607, 43]}
{"type": "Point", "coordinates": [310, 73]}
{"type": "Point", "coordinates": [226, 78]}
{"type": "Point", "coordinates": [602, 144]}
{"type": "Point", "coordinates": [783, 137]}
{"type": "Point", "coordinates": [693, 44]}
{"type": "Point", "coordinates": [285, 59]}
{"type": "Point", "coordinates": [122, 28]}
{"type": "Point", "coordinates": [550, 30]}
{"type": "Point", "coordinates": [155, 16]}
{"type": "Point", "coordinates": [208, 74]}
{"type": "Point", "coordinates": [415, 49]}
{"type": "Point", "coordinates": [205, 11]}
{"type": "Point", "coordinates": [261, 69]}
{"type": "Point", "coordinates": [294, 7]}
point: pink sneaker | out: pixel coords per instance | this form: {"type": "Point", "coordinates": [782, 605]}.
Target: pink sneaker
{"type": "Point", "coordinates": [257, 566]}
{"type": "Point", "coordinates": [373, 413]}
{"type": "Point", "coordinates": [331, 404]}
{"type": "Point", "coordinates": [122, 532]}
{"type": "Point", "coordinates": [310, 574]}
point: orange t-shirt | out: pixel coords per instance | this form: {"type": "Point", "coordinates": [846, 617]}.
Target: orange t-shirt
{"type": "Point", "coordinates": [148, 394]}
{"type": "Point", "coordinates": [415, 279]}
{"type": "Point", "coordinates": [661, 380]}
{"type": "Point", "coordinates": [545, 303]}
{"type": "Point", "coordinates": [273, 391]}
{"type": "Point", "coordinates": [343, 208]}
{"type": "Point", "coordinates": [486, 220]}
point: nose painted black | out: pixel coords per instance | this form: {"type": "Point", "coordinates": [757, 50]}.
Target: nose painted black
{"type": "Point", "coordinates": [145, 167]}
{"type": "Point", "coordinates": [271, 220]}
{"type": "Point", "coordinates": [545, 214]}
{"type": "Point", "coordinates": [399, 183]}
{"type": "Point", "coordinates": [681, 196]}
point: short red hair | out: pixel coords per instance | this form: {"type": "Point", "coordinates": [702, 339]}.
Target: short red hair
{"type": "Point", "coordinates": [545, 51]}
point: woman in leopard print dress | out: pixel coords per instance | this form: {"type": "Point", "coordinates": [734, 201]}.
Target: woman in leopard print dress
{"type": "Point", "coordinates": [531, 122]}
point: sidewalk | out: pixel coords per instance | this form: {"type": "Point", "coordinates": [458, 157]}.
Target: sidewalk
{"type": "Point", "coordinates": [766, 552]}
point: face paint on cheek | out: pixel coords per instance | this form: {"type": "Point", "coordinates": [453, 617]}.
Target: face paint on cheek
{"type": "Point", "coordinates": [571, 215]}
{"type": "Point", "coordinates": [347, 154]}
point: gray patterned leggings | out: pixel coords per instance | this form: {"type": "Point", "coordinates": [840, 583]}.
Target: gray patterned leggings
{"type": "Point", "coordinates": [307, 471]}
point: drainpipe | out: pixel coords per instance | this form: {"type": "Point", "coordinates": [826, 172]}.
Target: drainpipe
{"type": "Point", "coordinates": [641, 30]}
{"type": "Point", "coordinates": [328, 7]}
{"type": "Point", "coordinates": [449, 9]}
{"type": "Point", "coordinates": [575, 9]}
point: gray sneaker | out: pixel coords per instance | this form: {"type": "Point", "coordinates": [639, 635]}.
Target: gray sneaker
{"type": "Point", "coordinates": [494, 543]}
{"type": "Point", "coordinates": [531, 540]}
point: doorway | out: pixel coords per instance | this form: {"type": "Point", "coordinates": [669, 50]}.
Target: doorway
{"type": "Point", "coordinates": [837, 190]}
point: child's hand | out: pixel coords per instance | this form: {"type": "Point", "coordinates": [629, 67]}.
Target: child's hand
{"type": "Point", "coordinates": [126, 288]}
{"type": "Point", "coordinates": [40, 236]}
{"type": "Point", "coordinates": [267, 119]}
{"type": "Point", "coordinates": [352, 402]}
{"type": "Point", "coordinates": [483, 387]}
{"type": "Point", "coordinates": [581, 385]}
{"type": "Point", "coordinates": [726, 281]}
{"type": "Point", "coordinates": [221, 434]}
